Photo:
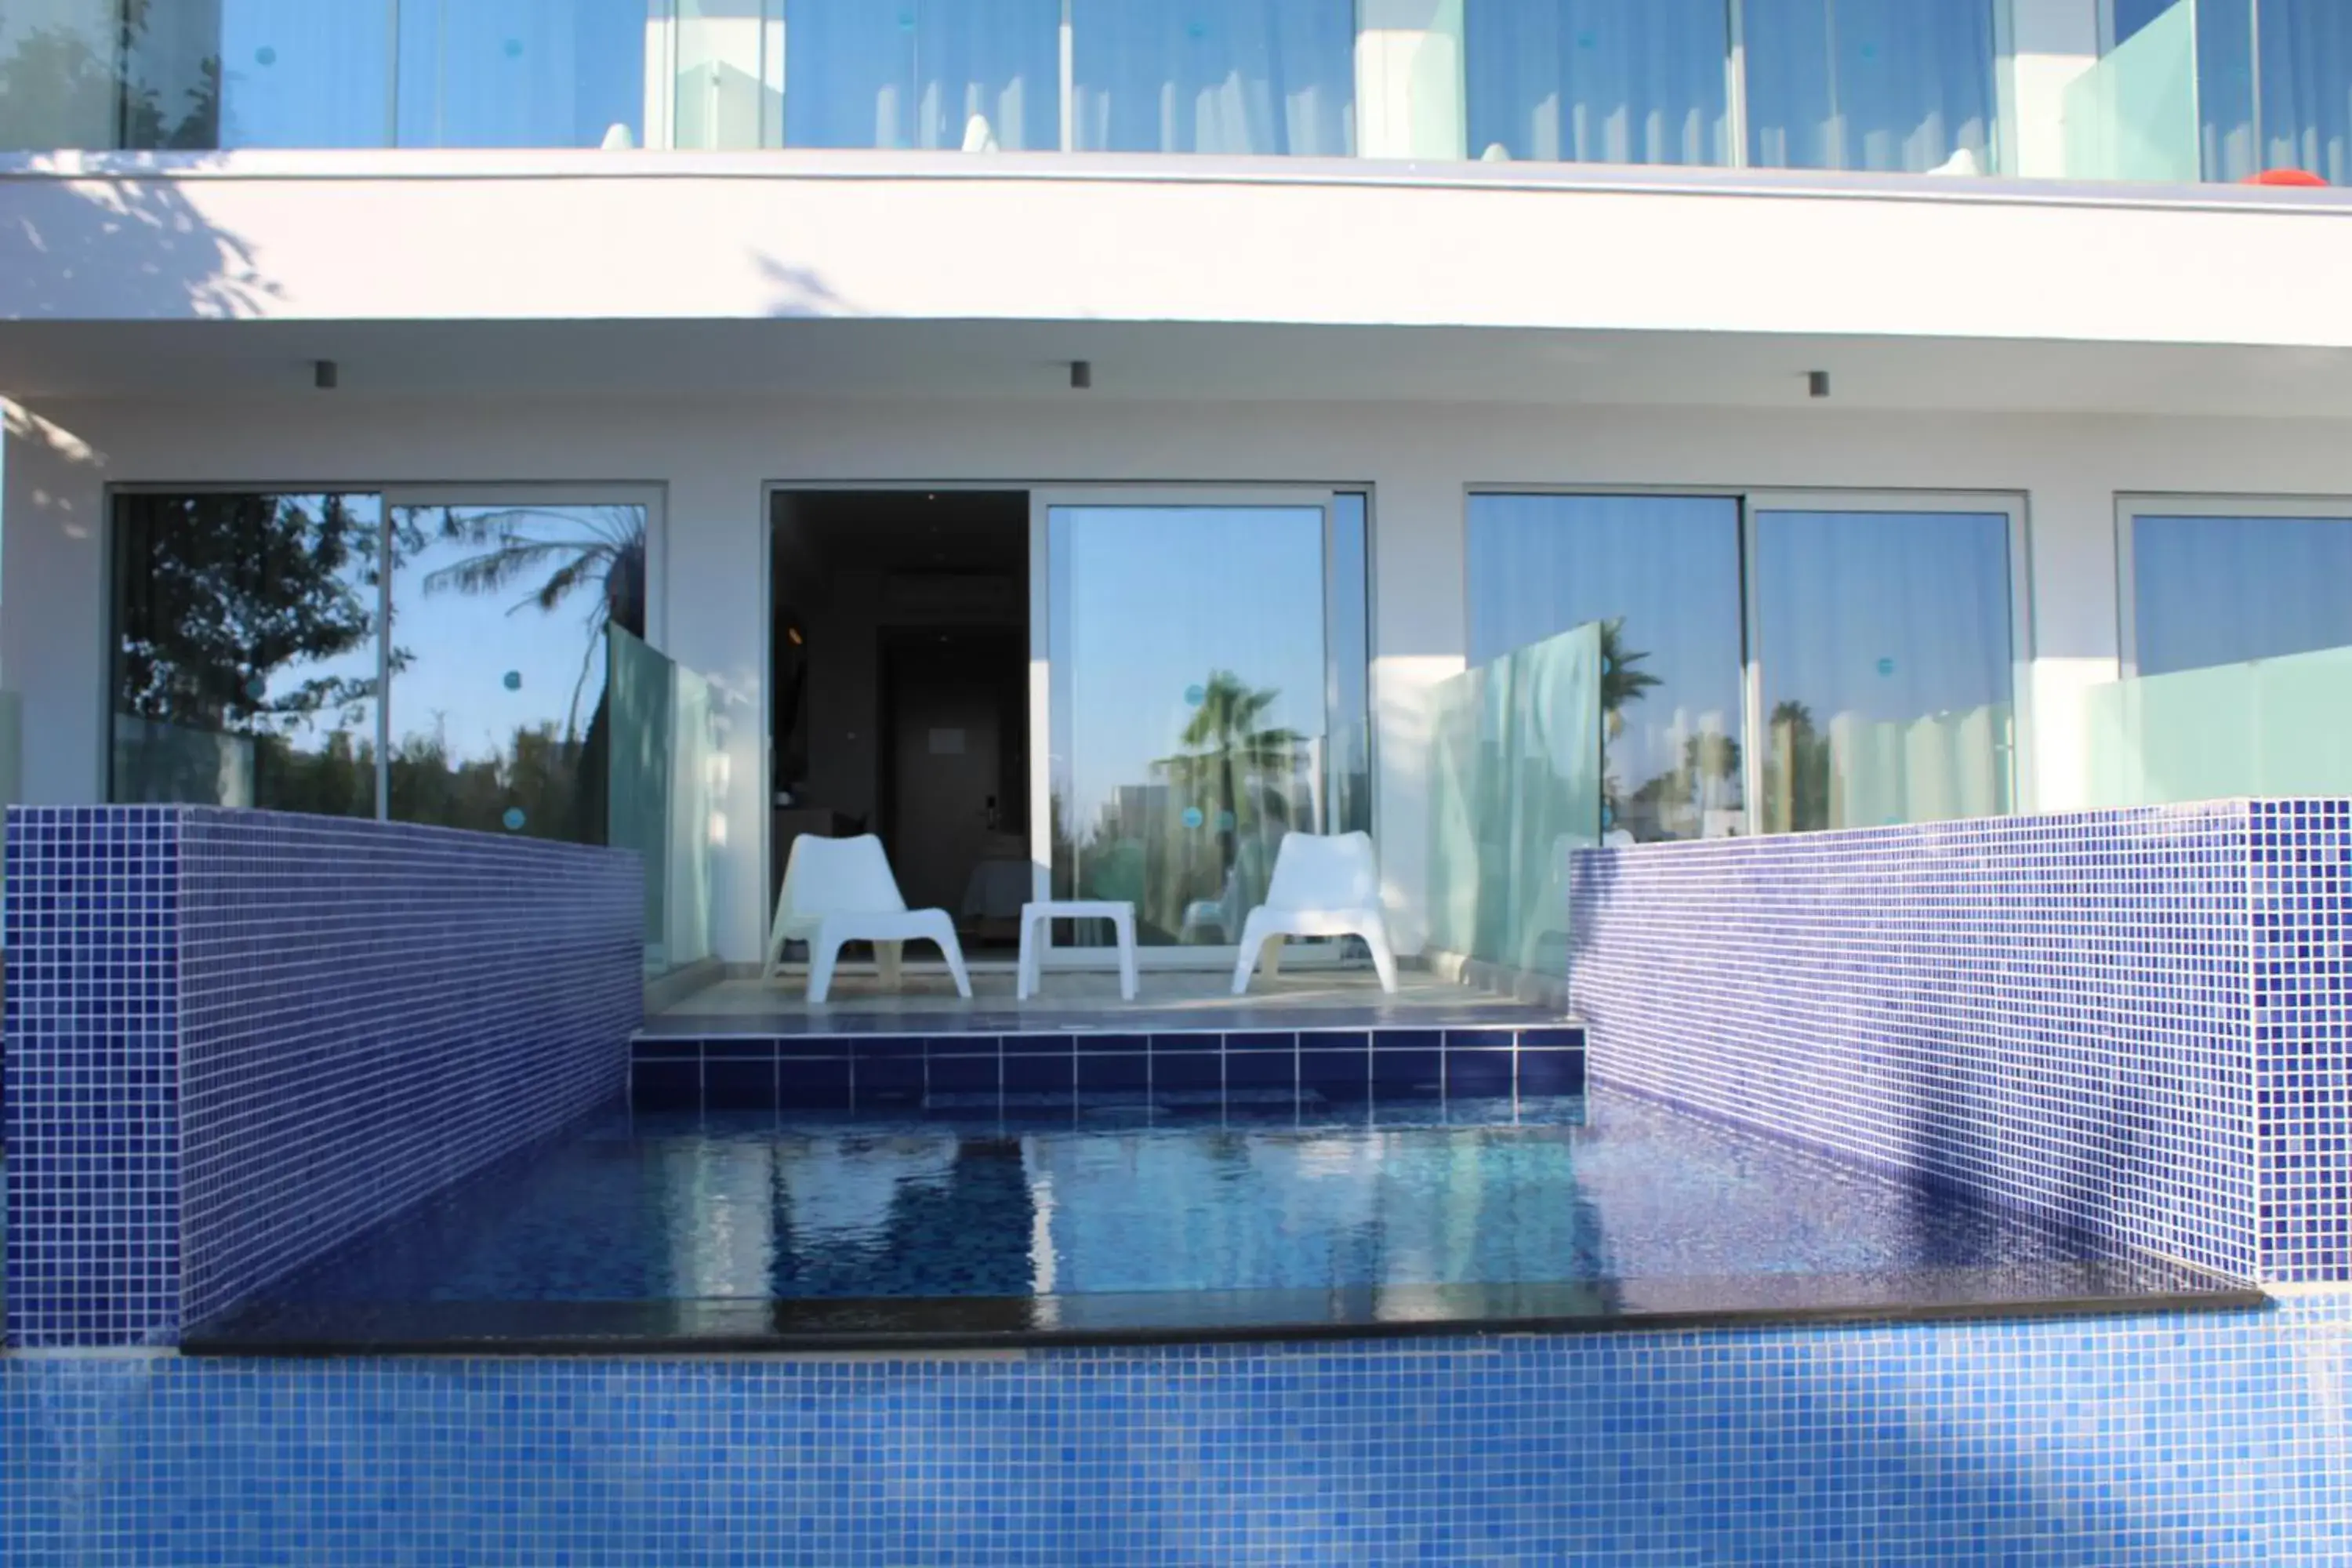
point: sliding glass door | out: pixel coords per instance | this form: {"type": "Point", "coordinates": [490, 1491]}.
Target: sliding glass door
{"type": "Point", "coordinates": [1203, 680]}
{"type": "Point", "coordinates": [1775, 662]}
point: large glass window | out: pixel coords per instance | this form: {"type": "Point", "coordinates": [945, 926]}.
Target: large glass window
{"type": "Point", "coordinates": [1870, 84]}
{"type": "Point", "coordinates": [499, 717]}
{"type": "Point", "coordinates": [1884, 645]}
{"type": "Point", "coordinates": [1606, 81]}
{"type": "Point", "coordinates": [1214, 76]}
{"type": "Point", "coordinates": [924, 73]}
{"type": "Point", "coordinates": [302, 652]}
{"type": "Point", "coordinates": [246, 648]}
{"type": "Point", "coordinates": [1194, 708]}
{"type": "Point", "coordinates": [1835, 666]}
{"type": "Point", "coordinates": [520, 73]}
{"type": "Point", "coordinates": [2275, 86]}
{"type": "Point", "coordinates": [2211, 590]}
{"type": "Point", "coordinates": [1661, 574]}
{"type": "Point", "coordinates": [323, 73]}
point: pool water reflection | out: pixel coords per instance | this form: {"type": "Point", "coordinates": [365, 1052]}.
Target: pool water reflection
{"type": "Point", "coordinates": [1150, 1218]}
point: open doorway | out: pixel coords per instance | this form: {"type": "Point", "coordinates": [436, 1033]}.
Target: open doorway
{"type": "Point", "coordinates": [900, 649]}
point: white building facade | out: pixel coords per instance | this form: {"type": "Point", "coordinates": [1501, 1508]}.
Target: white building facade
{"type": "Point", "coordinates": [1085, 437]}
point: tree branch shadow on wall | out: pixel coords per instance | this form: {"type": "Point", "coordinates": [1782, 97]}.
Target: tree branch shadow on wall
{"type": "Point", "coordinates": [120, 246]}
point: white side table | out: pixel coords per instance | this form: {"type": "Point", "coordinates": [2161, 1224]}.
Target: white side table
{"type": "Point", "coordinates": [1037, 934]}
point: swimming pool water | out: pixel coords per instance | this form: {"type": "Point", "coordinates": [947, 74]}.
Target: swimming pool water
{"type": "Point", "coordinates": [1599, 1205]}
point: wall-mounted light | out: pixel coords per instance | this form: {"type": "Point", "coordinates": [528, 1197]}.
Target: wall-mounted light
{"type": "Point", "coordinates": [1817, 383]}
{"type": "Point", "coordinates": [1082, 374]}
{"type": "Point", "coordinates": [324, 374]}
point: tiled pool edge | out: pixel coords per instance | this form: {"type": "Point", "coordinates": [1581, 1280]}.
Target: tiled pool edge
{"type": "Point", "coordinates": [2204, 1438]}
{"type": "Point", "coordinates": [2133, 1021]}
{"type": "Point", "coordinates": [302, 1025]}
{"type": "Point", "coordinates": [868, 1071]}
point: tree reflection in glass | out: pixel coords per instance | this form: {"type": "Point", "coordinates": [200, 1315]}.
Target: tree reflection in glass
{"type": "Point", "coordinates": [501, 720]}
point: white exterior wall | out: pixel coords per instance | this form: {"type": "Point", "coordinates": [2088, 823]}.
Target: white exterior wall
{"type": "Point", "coordinates": [567, 236]}
{"type": "Point", "coordinates": [715, 459]}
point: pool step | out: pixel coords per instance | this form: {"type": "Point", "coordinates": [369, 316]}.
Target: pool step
{"type": "Point", "coordinates": [907, 1071]}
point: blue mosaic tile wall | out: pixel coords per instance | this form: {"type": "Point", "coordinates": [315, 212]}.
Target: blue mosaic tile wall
{"type": "Point", "coordinates": [2301, 895]}
{"type": "Point", "coordinates": [877, 1072]}
{"type": "Point", "coordinates": [308, 1024]}
{"type": "Point", "coordinates": [2057, 1011]}
{"type": "Point", "coordinates": [2209, 1439]}
{"type": "Point", "coordinates": [92, 1095]}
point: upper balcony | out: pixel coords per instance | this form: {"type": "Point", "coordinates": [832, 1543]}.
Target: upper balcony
{"type": "Point", "coordinates": [2209, 89]}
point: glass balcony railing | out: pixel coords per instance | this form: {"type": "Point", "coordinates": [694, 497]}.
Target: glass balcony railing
{"type": "Point", "coordinates": [663, 795]}
{"type": "Point", "coordinates": [1903, 85]}
{"type": "Point", "coordinates": [2268, 727]}
{"type": "Point", "coordinates": [2224, 90]}
{"type": "Point", "coordinates": [2134, 116]}
{"type": "Point", "coordinates": [1514, 789]}
{"type": "Point", "coordinates": [2212, 89]}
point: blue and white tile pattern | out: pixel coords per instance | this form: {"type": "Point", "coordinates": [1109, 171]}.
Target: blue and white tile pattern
{"type": "Point", "coordinates": [284, 1029]}
{"type": "Point", "coordinates": [2083, 1443]}
{"type": "Point", "coordinates": [2132, 1021]}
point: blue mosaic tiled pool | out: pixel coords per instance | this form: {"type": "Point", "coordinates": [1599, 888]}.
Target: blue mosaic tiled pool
{"type": "Point", "coordinates": [1146, 1220]}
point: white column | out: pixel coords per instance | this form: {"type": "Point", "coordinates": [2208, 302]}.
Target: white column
{"type": "Point", "coordinates": [1408, 95]}
{"type": "Point", "coordinates": [53, 605]}
{"type": "Point", "coordinates": [715, 606]}
{"type": "Point", "coordinates": [1420, 636]}
{"type": "Point", "coordinates": [2075, 633]}
{"type": "Point", "coordinates": [2052, 42]}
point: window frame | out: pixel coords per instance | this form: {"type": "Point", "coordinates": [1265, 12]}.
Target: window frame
{"type": "Point", "coordinates": [653, 496]}
{"type": "Point", "coordinates": [2132, 505]}
{"type": "Point", "coordinates": [2023, 780]}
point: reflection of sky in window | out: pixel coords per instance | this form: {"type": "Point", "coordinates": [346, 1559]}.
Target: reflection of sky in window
{"type": "Point", "coordinates": [2221, 589]}
{"type": "Point", "coordinates": [1668, 566]}
{"type": "Point", "coordinates": [1148, 602]}
{"type": "Point", "coordinates": [1888, 616]}
{"type": "Point", "coordinates": [463, 645]}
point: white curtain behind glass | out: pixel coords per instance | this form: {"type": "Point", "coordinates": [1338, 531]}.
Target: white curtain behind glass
{"type": "Point", "coordinates": [2221, 589]}
{"type": "Point", "coordinates": [520, 73]}
{"type": "Point", "coordinates": [912, 73]}
{"type": "Point", "coordinates": [1897, 85]}
{"type": "Point", "coordinates": [2307, 88]}
{"type": "Point", "coordinates": [305, 73]}
{"type": "Point", "coordinates": [1662, 572]}
{"type": "Point", "coordinates": [1599, 80]}
{"type": "Point", "coordinates": [1885, 647]}
{"type": "Point", "coordinates": [1215, 76]}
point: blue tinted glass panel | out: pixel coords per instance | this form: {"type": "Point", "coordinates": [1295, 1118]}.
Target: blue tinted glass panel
{"type": "Point", "coordinates": [1190, 699]}
{"type": "Point", "coordinates": [1600, 81]}
{"type": "Point", "coordinates": [2221, 589]}
{"type": "Point", "coordinates": [306, 73]}
{"type": "Point", "coordinates": [1215, 76]}
{"type": "Point", "coordinates": [2307, 88]}
{"type": "Point", "coordinates": [1900, 85]}
{"type": "Point", "coordinates": [521, 73]}
{"type": "Point", "coordinates": [1661, 574]}
{"type": "Point", "coordinates": [1885, 644]}
{"type": "Point", "coordinates": [2131, 15]}
{"type": "Point", "coordinates": [919, 73]}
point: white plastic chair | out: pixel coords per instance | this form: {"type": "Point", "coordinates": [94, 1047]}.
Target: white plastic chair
{"type": "Point", "coordinates": [1323, 885]}
{"type": "Point", "coordinates": [841, 889]}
